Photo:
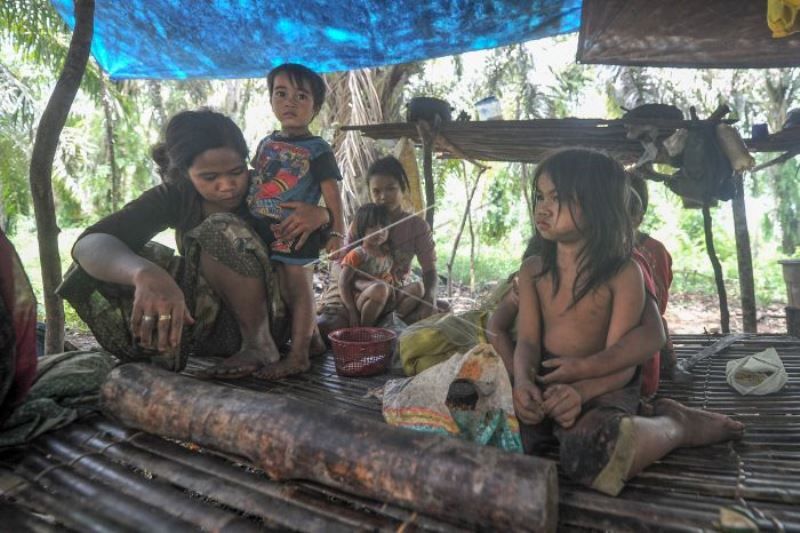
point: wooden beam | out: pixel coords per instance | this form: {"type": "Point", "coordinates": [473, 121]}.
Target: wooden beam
{"type": "Point", "coordinates": [41, 169]}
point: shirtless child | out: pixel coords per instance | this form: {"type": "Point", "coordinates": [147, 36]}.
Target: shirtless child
{"type": "Point", "coordinates": [579, 296]}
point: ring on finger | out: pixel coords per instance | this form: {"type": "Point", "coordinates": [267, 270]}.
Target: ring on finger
{"type": "Point", "coordinates": [164, 317]}
{"type": "Point", "coordinates": [148, 318]}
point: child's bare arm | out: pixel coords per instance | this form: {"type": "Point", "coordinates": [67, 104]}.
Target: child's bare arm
{"type": "Point", "coordinates": [347, 279]}
{"type": "Point", "coordinates": [634, 348]}
{"type": "Point", "coordinates": [333, 201]}
{"type": "Point", "coordinates": [499, 328]}
{"type": "Point", "coordinates": [527, 396]}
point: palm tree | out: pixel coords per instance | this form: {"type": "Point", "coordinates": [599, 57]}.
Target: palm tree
{"type": "Point", "coordinates": [365, 96]}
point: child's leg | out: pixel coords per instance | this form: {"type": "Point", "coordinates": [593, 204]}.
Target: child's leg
{"type": "Point", "coordinates": [677, 426]}
{"type": "Point", "coordinates": [246, 297]}
{"type": "Point", "coordinates": [298, 293]}
{"type": "Point", "coordinates": [609, 444]}
{"type": "Point", "coordinates": [408, 298]}
{"type": "Point", "coordinates": [372, 301]}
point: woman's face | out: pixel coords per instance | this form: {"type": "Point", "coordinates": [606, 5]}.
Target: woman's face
{"type": "Point", "coordinates": [220, 176]}
{"type": "Point", "coordinates": [385, 190]}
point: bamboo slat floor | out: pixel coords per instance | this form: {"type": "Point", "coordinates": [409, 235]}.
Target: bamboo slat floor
{"type": "Point", "coordinates": [96, 475]}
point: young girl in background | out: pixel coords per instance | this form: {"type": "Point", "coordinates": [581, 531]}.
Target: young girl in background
{"type": "Point", "coordinates": [366, 279]}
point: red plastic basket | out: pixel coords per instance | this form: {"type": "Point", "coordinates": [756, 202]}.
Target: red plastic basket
{"type": "Point", "coordinates": [362, 351]}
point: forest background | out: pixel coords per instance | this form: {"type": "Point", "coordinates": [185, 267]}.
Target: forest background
{"type": "Point", "coordinates": [103, 156]}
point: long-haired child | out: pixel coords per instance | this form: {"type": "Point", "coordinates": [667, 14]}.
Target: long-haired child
{"type": "Point", "coordinates": [579, 296]}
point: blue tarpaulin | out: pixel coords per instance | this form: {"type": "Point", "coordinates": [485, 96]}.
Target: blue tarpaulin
{"type": "Point", "coordinates": [178, 39]}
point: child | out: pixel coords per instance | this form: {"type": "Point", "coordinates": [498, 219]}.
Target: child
{"type": "Point", "coordinates": [580, 295]}
{"type": "Point", "coordinates": [367, 269]}
{"type": "Point", "coordinates": [292, 165]}
{"type": "Point", "coordinates": [660, 261]}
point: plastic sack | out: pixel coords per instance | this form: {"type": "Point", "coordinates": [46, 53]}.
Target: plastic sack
{"type": "Point", "coordinates": [467, 396]}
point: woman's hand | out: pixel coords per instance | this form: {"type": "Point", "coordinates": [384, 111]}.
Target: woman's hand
{"type": "Point", "coordinates": [304, 220]}
{"type": "Point", "coordinates": [335, 248]}
{"type": "Point", "coordinates": [159, 310]}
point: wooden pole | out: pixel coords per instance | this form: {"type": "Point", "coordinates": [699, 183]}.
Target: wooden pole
{"type": "Point", "coordinates": [41, 169]}
{"type": "Point", "coordinates": [744, 257]}
{"type": "Point", "coordinates": [428, 135]}
{"type": "Point", "coordinates": [467, 210]}
{"type": "Point", "coordinates": [432, 474]}
{"type": "Point", "coordinates": [724, 314]}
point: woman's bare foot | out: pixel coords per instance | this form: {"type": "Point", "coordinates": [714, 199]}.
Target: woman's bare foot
{"type": "Point", "coordinates": [700, 428]}
{"type": "Point", "coordinates": [241, 364]}
{"type": "Point", "coordinates": [284, 368]}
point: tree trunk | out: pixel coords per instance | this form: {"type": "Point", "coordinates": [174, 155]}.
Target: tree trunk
{"type": "Point", "coordinates": [745, 259]}
{"type": "Point", "coordinates": [41, 169]}
{"type": "Point", "coordinates": [724, 315]}
{"type": "Point", "coordinates": [116, 181]}
{"type": "Point", "coordinates": [441, 476]}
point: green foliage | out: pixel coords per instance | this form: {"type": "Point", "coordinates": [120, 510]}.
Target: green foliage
{"type": "Point", "coordinates": [68, 210]}
{"type": "Point", "coordinates": [499, 216]}
{"type": "Point", "coordinates": [14, 187]}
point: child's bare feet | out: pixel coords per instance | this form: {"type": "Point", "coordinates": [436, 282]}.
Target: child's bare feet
{"type": "Point", "coordinates": [241, 364]}
{"type": "Point", "coordinates": [293, 364]}
{"type": "Point", "coordinates": [700, 428]}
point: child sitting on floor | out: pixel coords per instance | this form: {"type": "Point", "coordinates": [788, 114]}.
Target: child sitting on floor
{"type": "Point", "coordinates": [660, 261]}
{"type": "Point", "coordinates": [367, 269]}
{"type": "Point", "coordinates": [580, 295]}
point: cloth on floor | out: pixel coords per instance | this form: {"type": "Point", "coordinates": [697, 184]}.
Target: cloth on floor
{"type": "Point", "coordinates": [66, 387]}
{"type": "Point", "coordinates": [758, 374]}
{"type": "Point", "coordinates": [467, 396]}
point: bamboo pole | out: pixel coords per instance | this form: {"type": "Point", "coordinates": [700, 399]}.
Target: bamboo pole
{"type": "Point", "coordinates": [432, 474]}
{"type": "Point", "coordinates": [41, 169]}
{"type": "Point", "coordinates": [104, 499]}
{"type": "Point", "coordinates": [213, 478]}
{"type": "Point", "coordinates": [159, 495]}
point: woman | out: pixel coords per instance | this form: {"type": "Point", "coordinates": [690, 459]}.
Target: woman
{"type": "Point", "coordinates": [221, 297]}
{"type": "Point", "coordinates": [409, 236]}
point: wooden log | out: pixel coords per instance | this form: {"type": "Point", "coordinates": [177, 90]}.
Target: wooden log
{"type": "Point", "coordinates": [436, 475]}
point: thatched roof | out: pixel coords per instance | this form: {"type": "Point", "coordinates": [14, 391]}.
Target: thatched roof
{"type": "Point", "coordinates": [683, 33]}
{"type": "Point", "coordinates": [525, 140]}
